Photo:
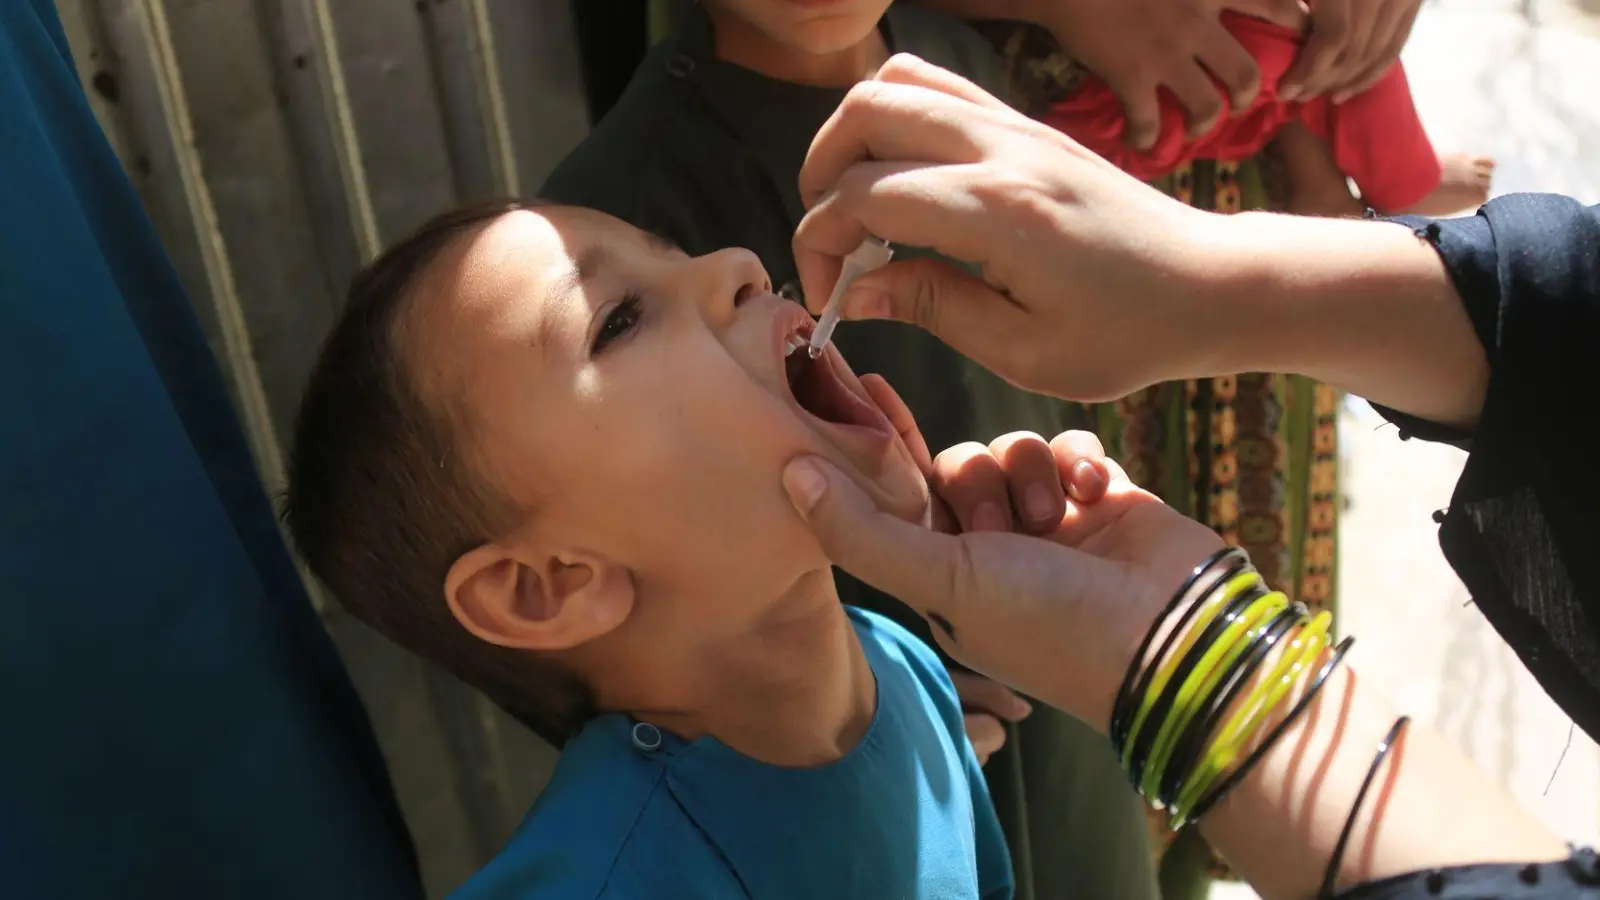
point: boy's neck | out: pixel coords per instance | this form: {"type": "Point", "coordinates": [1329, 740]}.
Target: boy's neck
{"type": "Point", "coordinates": [743, 44]}
{"type": "Point", "coordinates": [798, 693]}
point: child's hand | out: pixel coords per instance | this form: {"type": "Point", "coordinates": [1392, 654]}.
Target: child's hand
{"type": "Point", "coordinates": [1350, 45]}
{"type": "Point", "coordinates": [1141, 46]}
{"type": "Point", "coordinates": [986, 706]}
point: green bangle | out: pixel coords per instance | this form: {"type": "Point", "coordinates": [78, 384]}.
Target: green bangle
{"type": "Point", "coordinates": [1265, 697]}
{"type": "Point", "coordinates": [1213, 604]}
{"type": "Point", "coordinates": [1202, 681]}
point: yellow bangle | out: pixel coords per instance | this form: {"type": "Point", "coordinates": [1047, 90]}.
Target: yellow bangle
{"type": "Point", "coordinates": [1202, 681]}
{"type": "Point", "coordinates": [1214, 603]}
{"type": "Point", "coordinates": [1306, 647]}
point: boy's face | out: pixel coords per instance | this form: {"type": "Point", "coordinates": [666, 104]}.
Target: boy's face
{"type": "Point", "coordinates": [812, 26]}
{"type": "Point", "coordinates": [639, 405]}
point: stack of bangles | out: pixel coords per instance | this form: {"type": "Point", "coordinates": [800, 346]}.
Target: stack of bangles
{"type": "Point", "coordinates": [1187, 712]}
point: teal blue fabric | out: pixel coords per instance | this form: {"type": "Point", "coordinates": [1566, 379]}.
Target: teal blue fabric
{"type": "Point", "coordinates": [633, 811]}
{"type": "Point", "coordinates": [176, 721]}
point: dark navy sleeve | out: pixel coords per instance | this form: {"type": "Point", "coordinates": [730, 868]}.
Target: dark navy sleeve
{"type": "Point", "coordinates": [1520, 529]}
{"type": "Point", "coordinates": [1574, 878]}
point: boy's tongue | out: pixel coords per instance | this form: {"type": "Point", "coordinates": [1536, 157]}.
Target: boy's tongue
{"type": "Point", "coordinates": [821, 391]}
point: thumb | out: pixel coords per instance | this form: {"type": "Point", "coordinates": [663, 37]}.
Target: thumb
{"type": "Point", "coordinates": [919, 567]}
{"type": "Point", "coordinates": [931, 294]}
{"type": "Point", "coordinates": [953, 305]}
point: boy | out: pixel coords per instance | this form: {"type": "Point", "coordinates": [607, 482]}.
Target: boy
{"type": "Point", "coordinates": [539, 449]}
{"type": "Point", "coordinates": [705, 147]}
{"type": "Point", "coordinates": [1375, 137]}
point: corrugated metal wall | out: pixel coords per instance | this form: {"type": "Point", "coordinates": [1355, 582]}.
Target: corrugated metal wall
{"type": "Point", "coordinates": [277, 144]}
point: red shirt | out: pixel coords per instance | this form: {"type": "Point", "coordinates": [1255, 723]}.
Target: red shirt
{"type": "Point", "coordinates": [1376, 136]}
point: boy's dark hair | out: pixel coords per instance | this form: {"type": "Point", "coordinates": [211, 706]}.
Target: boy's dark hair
{"type": "Point", "coordinates": [381, 502]}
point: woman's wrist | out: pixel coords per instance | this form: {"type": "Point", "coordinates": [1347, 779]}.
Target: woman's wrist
{"type": "Point", "coordinates": [1276, 777]}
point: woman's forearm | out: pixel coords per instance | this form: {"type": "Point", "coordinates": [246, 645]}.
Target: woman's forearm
{"type": "Point", "coordinates": [1365, 306]}
{"type": "Point", "coordinates": [1428, 807]}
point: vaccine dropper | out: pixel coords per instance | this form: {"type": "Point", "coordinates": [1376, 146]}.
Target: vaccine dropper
{"type": "Point", "coordinates": [872, 254]}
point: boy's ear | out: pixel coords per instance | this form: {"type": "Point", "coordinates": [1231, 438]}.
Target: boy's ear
{"type": "Point", "coordinates": [556, 602]}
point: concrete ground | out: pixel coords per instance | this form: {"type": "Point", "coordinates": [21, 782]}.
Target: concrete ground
{"type": "Point", "coordinates": [1511, 79]}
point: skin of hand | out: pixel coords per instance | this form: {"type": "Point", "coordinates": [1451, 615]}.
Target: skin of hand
{"type": "Point", "coordinates": [986, 706]}
{"type": "Point", "coordinates": [1349, 46]}
{"type": "Point", "coordinates": [1093, 284]}
{"type": "Point", "coordinates": [921, 157]}
{"type": "Point", "coordinates": [1061, 615]}
{"type": "Point", "coordinates": [1116, 551]}
{"type": "Point", "coordinates": [974, 487]}
{"type": "Point", "coordinates": [1142, 46]}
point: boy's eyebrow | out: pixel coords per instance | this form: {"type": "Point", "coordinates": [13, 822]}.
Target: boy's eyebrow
{"type": "Point", "coordinates": [591, 260]}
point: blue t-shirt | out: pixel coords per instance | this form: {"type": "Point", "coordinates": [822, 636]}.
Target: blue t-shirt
{"type": "Point", "coordinates": [634, 812]}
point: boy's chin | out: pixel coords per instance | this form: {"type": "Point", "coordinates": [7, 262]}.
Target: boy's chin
{"type": "Point", "coordinates": [832, 35]}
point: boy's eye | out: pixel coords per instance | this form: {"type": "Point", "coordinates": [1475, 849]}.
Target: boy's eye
{"type": "Point", "coordinates": [618, 322]}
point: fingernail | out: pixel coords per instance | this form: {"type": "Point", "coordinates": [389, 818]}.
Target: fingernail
{"type": "Point", "coordinates": [1088, 481]}
{"type": "Point", "coordinates": [1041, 504]}
{"type": "Point", "coordinates": [988, 517]}
{"type": "Point", "coordinates": [1289, 93]}
{"type": "Point", "coordinates": [805, 484]}
{"type": "Point", "coordinates": [866, 303]}
{"type": "Point", "coordinates": [1340, 97]}
{"type": "Point", "coordinates": [1020, 709]}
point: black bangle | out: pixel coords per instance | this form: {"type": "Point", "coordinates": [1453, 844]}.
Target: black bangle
{"type": "Point", "coordinates": [1186, 751]}
{"type": "Point", "coordinates": [1221, 791]}
{"type": "Point", "coordinates": [1144, 741]}
{"type": "Point", "coordinates": [1330, 877]}
{"type": "Point", "coordinates": [1126, 700]}
{"type": "Point", "coordinates": [1230, 561]}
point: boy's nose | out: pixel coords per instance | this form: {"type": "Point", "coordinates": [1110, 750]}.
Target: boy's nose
{"type": "Point", "coordinates": [730, 277]}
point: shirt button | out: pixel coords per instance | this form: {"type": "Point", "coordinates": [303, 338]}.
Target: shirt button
{"type": "Point", "coordinates": [646, 737]}
{"type": "Point", "coordinates": [680, 65]}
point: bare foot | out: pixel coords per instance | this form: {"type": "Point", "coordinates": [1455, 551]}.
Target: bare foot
{"type": "Point", "coordinates": [1463, 186]}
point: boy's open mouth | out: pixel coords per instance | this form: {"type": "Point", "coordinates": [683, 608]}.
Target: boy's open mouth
{"type": "Point", "coordinates": [821, 386]}
{"type": "Point", "coordinates": [819, 391]}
